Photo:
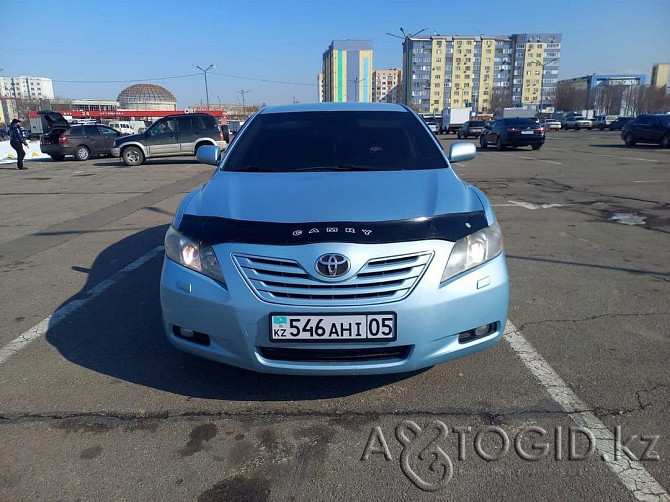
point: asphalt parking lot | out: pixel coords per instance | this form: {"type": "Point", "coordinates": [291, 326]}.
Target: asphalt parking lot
{"type": "Point", "coordinates": [96, 405]}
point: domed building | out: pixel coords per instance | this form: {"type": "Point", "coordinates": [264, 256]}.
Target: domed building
{"type": "Point", "coordinates": [147, 97]}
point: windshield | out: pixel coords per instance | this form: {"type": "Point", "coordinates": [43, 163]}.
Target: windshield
{"type": "Point", "coordinates": [347, 140]}
{"type": "Point", "coordinates": [520, 122]}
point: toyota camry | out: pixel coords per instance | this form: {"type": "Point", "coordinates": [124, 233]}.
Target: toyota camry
{"type": "Point", "coordinates": [334, 238]}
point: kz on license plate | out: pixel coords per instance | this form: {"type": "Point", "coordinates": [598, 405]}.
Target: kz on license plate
{"type": "Point", "coordinates": [527, 132]}
{"type": "Point", "coordinates": [338, 328]}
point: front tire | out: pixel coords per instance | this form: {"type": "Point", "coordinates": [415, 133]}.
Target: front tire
{"type": "Point", "coordinates": [82, 153]}
{"type": "Point", "coordinates": [628, 139]}
{"type": "Point", "coordinates": [132, 156]}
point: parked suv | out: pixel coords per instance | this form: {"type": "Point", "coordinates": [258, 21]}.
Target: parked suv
{"type": "Point", "coordinates": [577, 122]}
{"type": "Point", "coordinates": [601, 122]}
{"type": "Point", "coordinates": [169, 136]}
{"type": "Point", "coordinates": [471, 128]}
{"type": "Point", "coordinates": [82, 141]}
{"type": "Point", "coordinates": [648, 129]}
{"type": "Point", "coordinates": [618, 124]}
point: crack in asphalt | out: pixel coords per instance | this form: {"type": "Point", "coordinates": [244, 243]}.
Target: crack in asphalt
{"type": "Point", "coordinates": [592, 318]}
{"type": "Point", "coordinates": [251, 416]}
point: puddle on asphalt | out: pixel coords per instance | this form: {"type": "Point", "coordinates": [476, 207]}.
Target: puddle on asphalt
{"type": "Point", "coordinates": [628, 218]}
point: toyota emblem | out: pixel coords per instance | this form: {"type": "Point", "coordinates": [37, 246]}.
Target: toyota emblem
{"type": "Point", "coordinates": [332, 265]}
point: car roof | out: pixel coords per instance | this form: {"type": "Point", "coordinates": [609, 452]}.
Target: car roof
{"type": "Point", "coordinates": [323, 107]}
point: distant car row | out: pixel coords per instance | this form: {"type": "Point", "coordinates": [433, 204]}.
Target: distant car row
{"type": "Point", "coordinates": [169, 136]}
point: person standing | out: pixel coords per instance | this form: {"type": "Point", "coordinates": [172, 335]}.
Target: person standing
{"type": "Point", "coordinates": [17, 142]}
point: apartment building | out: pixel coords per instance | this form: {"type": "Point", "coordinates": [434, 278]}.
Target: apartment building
{"type": "Point", "coordinates": [452, 71]}
{"type": "Point", "coordinates": [387, 86]}
{"type": "Point", "coordinates": [319, 83]}
{"type": "Point", "coordinates": [660, 75]}
{"type": "Point", "coordinates": [26, 87]}
{"type": "Point", "coordinates": [347, 71]}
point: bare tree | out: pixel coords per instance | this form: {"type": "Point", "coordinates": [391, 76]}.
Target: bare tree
{"type": "Point", "coordinates": [608, 98]}
{"type": "Point", "coordinates": [501, 98]}
{"type": "Point", "coordinates": [570, 98]}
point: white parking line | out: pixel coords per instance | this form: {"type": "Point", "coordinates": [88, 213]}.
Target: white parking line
{"type": "Point", "coordinates": [62, 313]}
{"type": "Point", "coordinates": [536, 159]}
{"type": "Point", "coordinates": [652, 181]}
{"type": "Point", "coordinates": [620, 157]}
{"type": "Point", "coordinates": [630, 472]}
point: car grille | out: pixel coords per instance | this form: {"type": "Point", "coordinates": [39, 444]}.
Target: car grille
{"type": "Point", "coordinates": [380, 280]}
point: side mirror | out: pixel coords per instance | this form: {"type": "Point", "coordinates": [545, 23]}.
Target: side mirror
{"type": "Point", "coordinates": [461, 151]}
{"type": "Point", "coordinates": [208, 154]}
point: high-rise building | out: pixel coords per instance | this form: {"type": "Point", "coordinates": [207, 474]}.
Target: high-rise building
{"type": "Point", "coordinates": [535, 60]}
{"type": "Point", "coordinates": [660, 75]}
{"type": "Point", "coordinates": [386, 86]}
{"type": "Point", "coordinates": [452, 71]}
{"type": "Point", "coordinates": [319, 83]}
{"type": "Point", "coordinates": [347, 71]}
{"type": "Point", "coordinates": [26, 87]}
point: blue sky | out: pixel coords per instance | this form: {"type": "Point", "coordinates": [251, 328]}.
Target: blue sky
{"type": "Point", "coordinates": [89, 41]}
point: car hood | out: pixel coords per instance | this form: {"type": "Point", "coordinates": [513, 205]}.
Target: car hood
{"type": "Point", "coordinates": [53, 122]}
{"type": "Point", "coordinates": [124, 138]}
{"type": "Point", "coordinates": [333, 196]}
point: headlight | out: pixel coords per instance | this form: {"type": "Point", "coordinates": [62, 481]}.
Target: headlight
{"type": "Point", "coordinates": [474, 250]}
{"type": "Point", "coordinates": [192, 254]}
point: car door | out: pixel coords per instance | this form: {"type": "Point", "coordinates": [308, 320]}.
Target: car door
{"type": "Point", "coordinates": [187, 131]}
{"type": "Point", "coordinates": [93, 139]}
{"type": "Point", "coordinates": [108, 136]}
{"type": "Point", "coordinates": [161, 138]}
{"type": "Point", "coordinates": [653, 130]}
{"type": "Point", "coordinates": [488, 132]}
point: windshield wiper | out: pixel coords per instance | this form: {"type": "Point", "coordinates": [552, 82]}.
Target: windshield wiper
{"type": "Point", "coordinates": [339, 167]}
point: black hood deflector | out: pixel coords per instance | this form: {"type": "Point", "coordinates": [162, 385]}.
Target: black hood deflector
{"type": "Point", "coordinates": [216, 230]}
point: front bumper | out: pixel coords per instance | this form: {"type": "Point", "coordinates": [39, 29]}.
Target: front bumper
{"type": "Point", "coordinates": [429, 320]}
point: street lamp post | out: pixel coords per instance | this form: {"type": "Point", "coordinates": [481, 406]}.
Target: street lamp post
{"type": "Point", "coordinates": [205, 70]}
{"type": "Point", "coordinates": [355, 81]}
{"type": "Point", "coordinates": [542, 65]}
{"type": "Point", "coordinates": [244, 108]}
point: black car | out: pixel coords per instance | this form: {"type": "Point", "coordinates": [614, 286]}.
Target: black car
{"type": "Point", "coordinates": [648, 129]}
{"type": "Point", "coordinates": [618, 124]}
{"type": "Point", "coordinates": [512, 132]}
{"type": "Point", "coordinates": [82, 141]}
{"type": "Point", "coordinates": [169, 136]}
{"type": "Point", "coordinates": [471, 128]}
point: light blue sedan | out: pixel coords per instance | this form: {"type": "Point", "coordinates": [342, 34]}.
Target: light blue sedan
{"type": "Point", "coordinates": [334, 238]}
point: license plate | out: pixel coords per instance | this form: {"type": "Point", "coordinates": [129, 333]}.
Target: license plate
{"type": "Point", "coordinates": [334, 328]}
{"type": "Point", "coordinates": [527, 132]}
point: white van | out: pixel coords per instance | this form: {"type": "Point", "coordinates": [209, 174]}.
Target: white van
{"type": "Point", "coordinates": [122, 127]}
